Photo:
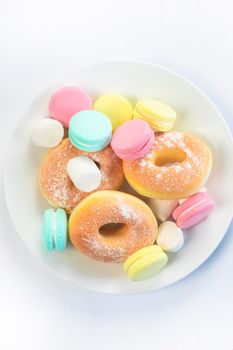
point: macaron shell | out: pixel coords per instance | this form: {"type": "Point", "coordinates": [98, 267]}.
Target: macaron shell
{"type": "Point", "coordinates": [89, 148]}
{"type": "Point", "coordinates": [147, 266]}
{"type": "Point", "coordinates": [60, 238]}
{"type": "Point", "coordinates": [116, 107]}
{"type": "Point", "coordinates": [155, 124]}
{"type": "Point", "coordinates": [189, 202]}
{"type": "Point", "coordinates": [132, 139]}
{"type": "Point", "coordinates": [90, 130]}
{"type": "Point", "coordinates": [48, 240]}
{"type": "Point", "coordinates": [156, 109]}
{"type": "Point", "coordinates": [141, 152]}
{"type": "Point", "coordinates": [195, 214]}
{"type": "Point", "coordinates": [152, 249]}
{"type": "Point", "coordinates": [67, 101]}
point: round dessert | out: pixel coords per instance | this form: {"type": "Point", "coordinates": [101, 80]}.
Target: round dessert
{"type": "Point", "coordinates": [132, 140]}
{"type": "Point", "coordinates": [193, 210]}
{"type": "Point", "coordinates": [47, 133]}
{"type": "Point", "coordinates": [90, 131]}
{"type": "Point", "coordinates": [55, 183]}
{"type": "Point", "coordinates": [116, 107]}
{"type": "Point", "coordinates": [160, 116]}
{"type": "Point", "coordinates": [109, 226]}
{"type": "Point", "coordinates": [55, 229]}
{"type": "Point", "coordinates": [145, 263]}
{"type": "Point", "coordinates": [176, 167]}
{"type": "Point", "coordinates": [67, 101]}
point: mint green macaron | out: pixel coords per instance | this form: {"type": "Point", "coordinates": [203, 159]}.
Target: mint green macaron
{"type": "Point", "coordinates": [90, 131]}
{"type": "Point", "coordinates": [55, 229]}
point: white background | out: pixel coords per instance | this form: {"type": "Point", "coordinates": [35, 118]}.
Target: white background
{"type": "Point", "coordinates": [40, 41]}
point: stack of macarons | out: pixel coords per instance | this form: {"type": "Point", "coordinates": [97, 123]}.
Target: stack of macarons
{"type": "Point", "coordinates": [111, 120]}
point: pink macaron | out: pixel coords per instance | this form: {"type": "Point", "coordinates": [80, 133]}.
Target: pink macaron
{"type": "Point", "coordinates": [193, 210]}
{"type": "Point", "coordinates": [133, 139]}
{"type": "Point", "coordinates": [68, 101]}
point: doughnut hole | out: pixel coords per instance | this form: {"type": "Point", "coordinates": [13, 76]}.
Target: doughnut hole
{"type": "Point", "coordinates": [111, 230]}
{"type": "Point", "coordinates": [97, 164]}
{"type": "Point", "coordinates": [168, 157]}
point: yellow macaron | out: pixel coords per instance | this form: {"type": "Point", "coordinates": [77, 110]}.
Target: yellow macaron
{"type": "Point", "coordinates": [145, 263]}
{"type": "Point", "coordinates": [116, 107]}
{"type": "Point", "coordinates": [160, 116]}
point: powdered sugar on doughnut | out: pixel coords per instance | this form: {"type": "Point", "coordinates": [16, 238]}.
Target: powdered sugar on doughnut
{"type": "Point", "coordinates": [55, 183]}
{"type": "Point", "coordinates": [138, 229]}
{"type": "Point", "coordinates": [172, 178]}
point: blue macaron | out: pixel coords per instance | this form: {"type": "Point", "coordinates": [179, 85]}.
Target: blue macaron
{"type": "Point", "coordinates": [55, 229]}
{"type": "Point", "coordinates": [90, 131]}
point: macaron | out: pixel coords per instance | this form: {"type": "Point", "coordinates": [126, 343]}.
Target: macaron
{"type": "Point", "coordinates": [162, 208]}
{"type": "Point", "coordinates": [145, 263]}
{"type": "Point", "coordinates": [133, 139]}
{"type": "Point", "coordinates": [193, 210]}
{"type": "Point", "coordinates": [170, 237]}
{"type": "Point", "coordinates": [55, 229]}
{"type": "Point", "coordinates": [84, 173]}
{"type": "Point", "coordinates": [90, 131]}
{"type": "Point", "coordinates": [182, 200]}
{"type": "Point", "coordinates": [116, 107]}
{"type": "Point", "coordinates": [68, 101]}
{"type": "Point", "coordinates": [47, 133]}
{"type": "Point", "coordinates": [160, 116]}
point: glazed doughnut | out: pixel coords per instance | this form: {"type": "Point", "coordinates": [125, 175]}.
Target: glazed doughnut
{"type": "Point", "coordinates": [55, 183]}
{"type": "Point", "coordinates": [176, 167]}
{"type": "Point", "coordinates": [137, 226]}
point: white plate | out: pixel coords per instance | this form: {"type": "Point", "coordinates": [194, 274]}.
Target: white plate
{"type": "Point", "coordinates": [196, 114]}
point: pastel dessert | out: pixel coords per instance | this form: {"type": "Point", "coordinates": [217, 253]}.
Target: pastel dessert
{"type": "Point", "coordinates": [176, 167]}
{"type": "Point", "coordinates": [145, 263]}
{"type": "Point", "coordinates": [193, 210]}
{"type": "Point", "coordinates": [170, 237]}
{"type": "Point", "coordinates": [55, 183]}
{"type": "Point", "coordinates": [116, 107]}
{"type": "Point", "coordinates": [90, 131]}
{"type": "Point", "coordinates": [55, 229]}
{"type": "Point", "coordinates": [162, 208]}
{"type": "Point", "coordinates": [47, 133]}
{"type": "Point", "coordinates": [160, 116]}
{"type": "Point", "coordinates": [68, 101]}
{"type": "Point", "coordinates": [132, 140]}
{"type": "Point", "coordinates": [84, 173]}
{"type": "Point", "coordinates": [165, 172]}
{"type": "Point", "coordinates": [109, 226]}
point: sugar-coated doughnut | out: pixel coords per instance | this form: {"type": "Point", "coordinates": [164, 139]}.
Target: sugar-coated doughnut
{"type": "Point", "coordinates": [193, 210]}
{"type": "Point", "coordinates": [138, 226]}
{"type": "Point", "coordinates": [67, 101]}
{"type": "Point", "coordinates": [145, 263]}
{"type": "Point", "coordinates": [116, 107]}
{"type": "Point", "coordinates": [133, 139]}
{"type": "Point", "coordinates": [47, 133]}
{"type": "Point", "coordinates": [170, 237]}
{"type": "Point", "coordinates": [90, 131]}
{"type": "Point", "coordinates": [55, 183]}
{"type": "Point", "coordinates": [162, 208]}
{"type": "Point", "coordinates": [55, 229]}
{"type": "Point", "coordinates": [84, 173]}
{"type": "Point", "coordinates": [160, 116]}
{"type": "Point", "coordinates": [176, 167]}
